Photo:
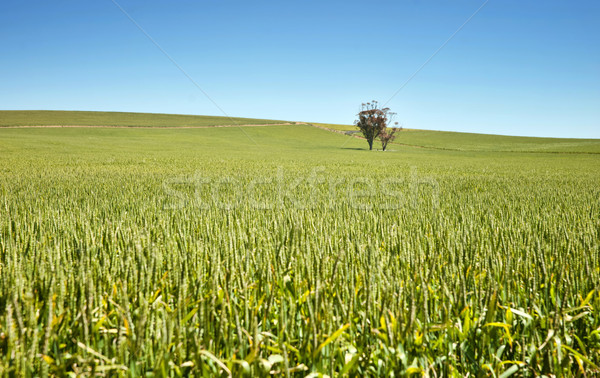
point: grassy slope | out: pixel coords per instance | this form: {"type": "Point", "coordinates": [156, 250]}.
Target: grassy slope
{"type": "Point", "coordinates": [68, 118]}
{"type": "Point", "coordinates": [408, 137]}
{"type": "Point", "coordinates": [272, 145]}
{"type": "Point", "coordinates": [485, 142]}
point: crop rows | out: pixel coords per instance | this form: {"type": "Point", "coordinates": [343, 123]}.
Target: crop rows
{"type": "Point", "coordinates": [129, 270]}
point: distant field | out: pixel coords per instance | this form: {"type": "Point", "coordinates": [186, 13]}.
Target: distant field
{"type": "Point", "coordinates": [77, 118]}
{"type": "Point", "coordinates": [484, 142]}
{"type": "Point", "coordinates": [408, 137]}
{"type": "Point", "coordinates": [336, 126]}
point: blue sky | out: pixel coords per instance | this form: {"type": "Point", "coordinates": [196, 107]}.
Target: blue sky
{"type": "Point", "coordinates": [517, 68]}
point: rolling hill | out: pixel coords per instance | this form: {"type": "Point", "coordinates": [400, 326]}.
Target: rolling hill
{"type": "Point", "coordinates": [10, 118]}
{"type": "Point", "coordinates": [441, 140]}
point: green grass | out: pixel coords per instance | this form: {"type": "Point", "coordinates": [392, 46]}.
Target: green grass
{"type": "Point", "coordinates": [79, 118]}
{"type": "Point", "coordinates": [486, 142]}
{"type": "Point", "coordinates": [337, 127]}
{"type": "Point", "coordinates": [290, 250]}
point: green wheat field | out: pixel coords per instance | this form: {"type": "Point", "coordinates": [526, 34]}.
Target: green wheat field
{"type": "Point", "coordinates": [290, 250]}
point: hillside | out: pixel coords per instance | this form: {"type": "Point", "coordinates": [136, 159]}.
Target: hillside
{"type": "Point", "coordinates": [82, 118]}
{"type": "Point", "coordinates": [453, 141]}
{"type": "Point", "coordinates": [457, 141]}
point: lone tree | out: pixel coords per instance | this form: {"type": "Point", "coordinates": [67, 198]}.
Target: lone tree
{"type": "Point", "coordinates": [372, 122]}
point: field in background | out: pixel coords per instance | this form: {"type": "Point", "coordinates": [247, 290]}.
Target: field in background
{"type": "Point", "coordinates": [408, 137]}
{"type": "Point", "coordinates": [483, 142]}
{"type": "Point", "coordinates": [293, 250]}
{"type": "Point", "coordinates": [336, 127]}
{"type": "Point", "coordinates": [79, 118]}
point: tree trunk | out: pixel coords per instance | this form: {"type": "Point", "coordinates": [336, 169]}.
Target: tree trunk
{"type": "Point", "coordinates": [370, 144]}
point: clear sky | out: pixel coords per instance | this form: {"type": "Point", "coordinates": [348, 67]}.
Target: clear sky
{"type": "Point", "coordinates": [518, 67]}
